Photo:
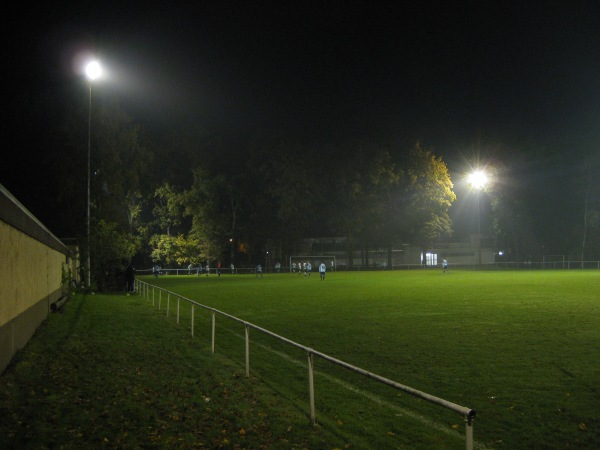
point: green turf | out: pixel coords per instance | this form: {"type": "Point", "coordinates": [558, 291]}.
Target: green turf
{"type": "Point", "coordinates": [109, 372]}
{"type": "Point", "coordinates": [520, 347]}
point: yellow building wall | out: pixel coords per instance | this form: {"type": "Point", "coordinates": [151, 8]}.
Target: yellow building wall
{"type": "Point", "coordinates": [29, 272]}
{"type": "Point", "coordinates": [30, 280]}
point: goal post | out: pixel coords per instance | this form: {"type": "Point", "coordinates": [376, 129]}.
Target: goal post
{"type": "Point", "coordinates": [554, 261]}
{"type": "Point", "coordinates": [297, 262]}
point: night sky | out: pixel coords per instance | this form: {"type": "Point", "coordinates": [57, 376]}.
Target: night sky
{"type": "Point", "coordinates": [455, 76]}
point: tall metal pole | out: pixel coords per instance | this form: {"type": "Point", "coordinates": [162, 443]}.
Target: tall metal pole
{"type": "Point", "coordinates": [93, 71]}
{"type": "Point", "coordinates": [479, 224]}
{"type": "Point", "coordinates": [88, 265]}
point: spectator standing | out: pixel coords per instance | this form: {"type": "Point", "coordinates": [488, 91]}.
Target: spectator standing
{"type": "Point", "coordinates": [130, 278]}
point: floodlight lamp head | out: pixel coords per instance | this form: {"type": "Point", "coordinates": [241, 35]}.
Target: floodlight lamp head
{"type": "Point", "coordinates": [478, 179]}
{"type": "Point", "coordinates": [93, 70]}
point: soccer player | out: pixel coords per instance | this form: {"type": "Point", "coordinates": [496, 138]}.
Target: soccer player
{"type": "Point", "coordinates": [322, 269]}
{"type": "Point", "coordinates": [258, 271]}
{"type": "Point", "coordinates": [445, 265]}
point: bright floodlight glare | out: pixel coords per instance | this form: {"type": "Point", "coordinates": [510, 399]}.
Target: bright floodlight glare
{"type": "Point", "coordinates": [93, 70]}
{"type": "Point", "coordinates": [477, 179]}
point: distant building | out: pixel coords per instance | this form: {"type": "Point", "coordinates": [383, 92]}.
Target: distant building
{"type": "Point", "coordinates": [468, 253]}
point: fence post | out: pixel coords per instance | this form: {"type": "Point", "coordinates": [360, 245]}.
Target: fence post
{"type": "Point", "coordinates": [469, 433]}
{"type": "Point", "coordinates": [311, 387]}
{"type": "Point", "coordinates": [192, 320]}
{"type": "Point", "coordinates": [247, 349]}
{"type": "Point", "coordinates": [159, 298]}
{"type": "Point", "coordinates": [213, 335]}
{"type": "Point", "coordinates": [178, 298]}
{"type": "Point", "coordinates": [152, 295]}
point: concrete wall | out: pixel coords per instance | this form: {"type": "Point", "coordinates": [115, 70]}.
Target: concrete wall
{"type": "Point", "coordinates": [31, 267]}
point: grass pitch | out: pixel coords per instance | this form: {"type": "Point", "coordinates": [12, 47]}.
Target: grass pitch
{"type": "Point", "coordinates": [114, 371]}
{"type": "Point", "coordinates": [520, 347]}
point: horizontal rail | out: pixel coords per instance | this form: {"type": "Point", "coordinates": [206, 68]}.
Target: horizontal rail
{"type": "Point", "coordinates": [466, 412]}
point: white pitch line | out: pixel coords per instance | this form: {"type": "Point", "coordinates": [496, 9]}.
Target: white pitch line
{"type": "Point", "coordinates": [370, 396]}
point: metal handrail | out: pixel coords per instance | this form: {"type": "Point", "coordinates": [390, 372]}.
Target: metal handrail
{"type": "Point", "coordinates": [467, 413]}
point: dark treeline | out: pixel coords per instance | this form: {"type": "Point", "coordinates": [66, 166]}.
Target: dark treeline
{"type": "Point", "coordinates": [187, 197]}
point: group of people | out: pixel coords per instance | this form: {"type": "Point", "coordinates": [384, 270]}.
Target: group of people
{"type": "Point", "coordinates": [302, 268]}
{"type": "Point", "coordinates": [206, 270]}
{"type": "Point", "coordinates": [306, 269]}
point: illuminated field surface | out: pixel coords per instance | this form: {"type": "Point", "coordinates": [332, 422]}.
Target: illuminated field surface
{"type": "Point", "coordinates": [522, 348]}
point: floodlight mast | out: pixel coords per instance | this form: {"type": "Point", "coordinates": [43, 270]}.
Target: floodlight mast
{"type": "Point", "coordinates": [93, 71]}
{"type": "Point", "coordinates": [478, 181]}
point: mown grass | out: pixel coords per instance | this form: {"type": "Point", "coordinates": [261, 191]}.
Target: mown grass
{"type": "Point", "coordinates": [522, 348]}
{"type": "Point", "coordinates": [109, 372]}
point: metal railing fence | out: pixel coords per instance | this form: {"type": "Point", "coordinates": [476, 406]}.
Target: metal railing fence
{"type": "Point", "coordinates": [341, 267]}
{"type": "Point", "coordinates": [148, 292]}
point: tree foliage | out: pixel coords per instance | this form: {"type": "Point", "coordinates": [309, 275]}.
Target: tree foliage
{"type": "Point", "coordinates": [225, 207]}
{"type": "Point", "coordinates": [112, 248]}
{"type": "Point", "coordinates": [280, 195]}
{"type": "Point", "coordinates": [427, 196]}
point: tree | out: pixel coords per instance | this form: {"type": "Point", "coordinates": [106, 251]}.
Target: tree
{"type": "Point", "coordinates": [213, 204]}
{"type": "Point", "coordinates": [380, 198]}
{"type": "Point", "coordinates": [168, 208]}
{"type": "Point", "coordinates": [296, 190]}
{"type": "Point", "coordinates": [118, 163]}
{"type": "Point", "coordinates": [365, 186]}
{"type": "Point", "coordinates": [511, 219]}
{"type": "Point", "coordinates": [171, 244]}
{"type": "Point", "coordinates": [425, 194]}
{"type": "Point", "coordinates": [112, 249]}
{"type": "Point", "coordinates": [349, 202]}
